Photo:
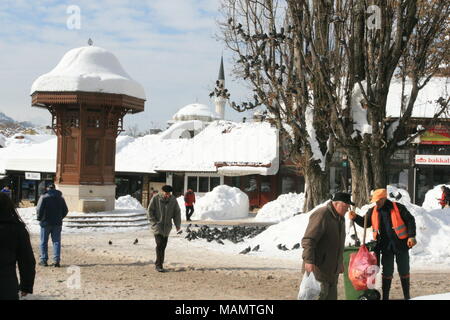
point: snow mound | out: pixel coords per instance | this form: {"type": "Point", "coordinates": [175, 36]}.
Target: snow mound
{"type": "Point", "coordinates": [89, 69]}
{"type": "Point", "coordinates": [222, 203]}
{"type": "Point", "coordinates": [284, 207]}
{"type": "Point", "coordinates": [128, 202]}
{"type": "Point", "coordinates": [430, 202]}
{"type": "Point", "coordinates": [442, 296]}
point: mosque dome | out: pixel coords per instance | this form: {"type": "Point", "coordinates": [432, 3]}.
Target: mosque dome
{"type": "Point", "coordinates": [195, 111]}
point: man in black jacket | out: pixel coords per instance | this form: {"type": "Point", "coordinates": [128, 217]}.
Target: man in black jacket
{"type": "Point", "coordinates": [51, 210]}
{"type": "Point", "coordinates": [394, 229]}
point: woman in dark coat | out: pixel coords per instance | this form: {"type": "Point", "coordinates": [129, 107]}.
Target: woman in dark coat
{"type": "Point", "coordinates": [15, 249]}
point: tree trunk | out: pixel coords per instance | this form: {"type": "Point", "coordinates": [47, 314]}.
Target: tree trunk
{"type": "Point", "coordinates": [378, 169]}
{"type": "Point", "coordinates": [316, 186]}
{"type": "Point", "coordinates": [361, 178]}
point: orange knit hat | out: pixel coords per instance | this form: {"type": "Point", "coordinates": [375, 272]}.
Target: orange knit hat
{"type": "Point", "coordinates": [378, 194]}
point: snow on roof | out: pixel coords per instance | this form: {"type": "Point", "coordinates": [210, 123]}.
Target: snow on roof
{"type": "Point", "coordinates": [425, 105]}
{"type": "Point", "coordinates": [89, 69]}
{"type": "Point", "coordinates": [242, 144]}
{"type": "Point", "coordinates": [195, 111]}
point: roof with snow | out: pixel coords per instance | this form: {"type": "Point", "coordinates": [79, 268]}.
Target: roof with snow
{"type": "Point", "coordinates": [426, 105]}
{"type": "Point", "coordinates": [89, 69]}
{"type": "Point", "coordinates": [195, 111]}
{"type": "Point", "coordinates": [223, 147]}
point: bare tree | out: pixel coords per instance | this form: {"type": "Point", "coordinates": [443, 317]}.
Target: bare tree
{"type": "Point", "coordinates": [323, 70]}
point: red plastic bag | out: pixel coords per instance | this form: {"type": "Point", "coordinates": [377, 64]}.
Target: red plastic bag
{"type": "Point", "coordinates": [362, 269]}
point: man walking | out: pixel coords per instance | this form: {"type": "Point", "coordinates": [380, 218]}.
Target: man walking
{"type": "Point", "coordinates": [162, 210]}
{"type": "Point", "coordinates": [394, 229]}
{"type": "Point", "coordinates": [323, 244]}
{"type": "Point", "coordinates": [51, 210]}
{"type": "Point", "coordinates": [189, 200]}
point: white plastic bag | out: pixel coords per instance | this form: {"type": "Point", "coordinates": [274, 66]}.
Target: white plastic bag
{"type": "Point", "coordinates": [309, 288]}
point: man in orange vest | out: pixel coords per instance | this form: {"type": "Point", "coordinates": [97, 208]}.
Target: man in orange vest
{"type": "Point", "coordinates": [394, 229]}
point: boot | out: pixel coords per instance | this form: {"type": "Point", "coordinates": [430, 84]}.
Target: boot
{"type": "Point", "coordinates": [386, 287]}
{"type": "Point", "coordinates": [405, 286]}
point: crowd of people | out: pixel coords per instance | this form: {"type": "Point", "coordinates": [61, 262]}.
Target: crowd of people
{"type": "Point", "coordinates": [393, 229]}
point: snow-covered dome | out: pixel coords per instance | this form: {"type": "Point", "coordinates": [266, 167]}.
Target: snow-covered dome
{"type": "Point", "coordinates": [195, 111]}
{"type": "Point", "coordinates": [89, 69]}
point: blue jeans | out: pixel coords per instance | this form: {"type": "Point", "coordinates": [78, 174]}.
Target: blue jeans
{"type": "Point", "coordinates": [55, 232]}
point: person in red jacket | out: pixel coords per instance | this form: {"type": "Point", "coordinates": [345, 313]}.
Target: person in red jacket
{"type": "Point", "coordinates": [444, 201]}
{"type": "Point", "coordinates": [189, 200]}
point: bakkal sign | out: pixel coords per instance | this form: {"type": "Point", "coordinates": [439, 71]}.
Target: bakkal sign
{"type": "Point", "coordinates": [32, 176]}
{"type": "Point", "coordinates": [433, 159]}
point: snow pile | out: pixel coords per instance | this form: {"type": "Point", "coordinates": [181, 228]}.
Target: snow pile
{"type": "Point", "coordinates": [29, 216]}
{"type": "Point", "coordinates": [128, 202]}
{"type": "Point", "coordinates": [284, 207]}
{"type": "Point", "coordinates": [431, 198]}
{"type": "Point", "coordinates": [312, 138]}
{"type": "Point", "coordinates": [442, 296]}
{"type": "Point", "coordinates": [89, 69]}
{"type": "Point", "coordinates": [222, 203]}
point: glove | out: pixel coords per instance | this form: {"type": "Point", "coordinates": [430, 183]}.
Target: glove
{"type": "Point", "coordinates": [411, 242]}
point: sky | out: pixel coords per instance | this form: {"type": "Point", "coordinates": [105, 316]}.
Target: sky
{"type": "Point", "coordinates": [170, 47]}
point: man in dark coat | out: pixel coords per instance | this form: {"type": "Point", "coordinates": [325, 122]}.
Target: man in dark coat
{"type": "Point", "coordinates": [51, 210]}
{"type": "Point", "coordinates": [323, 244]}
{"type": "Point", "coordinates": [163, 209]}
{"type": "Point", "coordinates": [15, 250]}
{"type": "Point", "coordinates": [395, 235]}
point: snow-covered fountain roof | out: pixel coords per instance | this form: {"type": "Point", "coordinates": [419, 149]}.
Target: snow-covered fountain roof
{"type": "Point", "coordinates": [89, 69]}
{"type": "Point", "coordinates": [195, 111]}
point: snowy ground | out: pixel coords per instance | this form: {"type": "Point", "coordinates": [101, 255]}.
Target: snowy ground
{"type": "Point", "coordinates": [431, 257]}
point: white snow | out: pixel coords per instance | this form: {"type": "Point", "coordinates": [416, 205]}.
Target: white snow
{"type": "Point", "coordinates": [128, 202]}
{"type": "Point", "coordinates": [431, 198]}
{"type": "Point", "coordinates": [425, 105]}
{"type": "Point", "coordinates": [284, 207]}
{"type": "Point", "coordinates": [89, 69]}
{"type": "Point", "coordinates": [359, 114]}
{"type": "Point", "coordinates": [312, 138]}
{"type": "Point", "coordinates": [222, 203]}
{"type": "Point", "coordinates": [441, 296]}
{"type": "Point", "coordinates": [240, 144]}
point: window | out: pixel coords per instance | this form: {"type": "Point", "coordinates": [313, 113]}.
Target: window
{"type": "Point", "coordinates": [252, 185]}
{"type": "Point", "coordinates": [287, 185]}
{"type": "Point", "coordinates": [400, 156]}
{"type": "Point", "coordinates": [236, 182]}
{"type": "Point", "coordinates": [203, 184]}
{"type": "Point", "coordinates": [192, 183]}
{"type": "Point", "coordinates": [214, 182]}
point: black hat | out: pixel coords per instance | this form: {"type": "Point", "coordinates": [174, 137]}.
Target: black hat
{"type": "Point", "coordinates": [167, 188]}
{"type": "Point", "coordinates": [344, 197]}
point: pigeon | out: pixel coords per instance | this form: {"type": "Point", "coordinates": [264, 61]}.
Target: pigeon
{"type": "Point", "coordinates": [136, 241]}
{"type": "Point", "coordinates": [296, 246]}
{"type": "Point", "coordinates": [279, 246]}
{"type": "Point", "coordinates": [220, 241]}
{"type": "Point", "coordinates": [245, 251]}
{"type": "Point", "coordinates": [110, 242]}
{"type": "Point", "coordinates": [256, 248]}
{"type": "Point", "coordinates": [284, 248]}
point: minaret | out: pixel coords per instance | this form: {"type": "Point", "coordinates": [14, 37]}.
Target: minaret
{"type": "Point", "coordinates": [220, 94]}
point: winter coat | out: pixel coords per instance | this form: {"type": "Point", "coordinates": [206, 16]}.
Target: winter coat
{"type": "Point", "coordinates": [189, 198]}
{"type": "Point", "coordinates": [323, 243]}
{"type": "Point", "coordinates": [15, 249]}
{"type": "Point", "coordinates": [161, 212]}
{"type": "Point", "coordinates": [387, 237]}
{"type": "Point", "coordinates": [51, 208]}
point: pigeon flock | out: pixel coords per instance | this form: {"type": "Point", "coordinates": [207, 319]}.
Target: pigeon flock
{"type": "Point", "coordinates": [235, 234]}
